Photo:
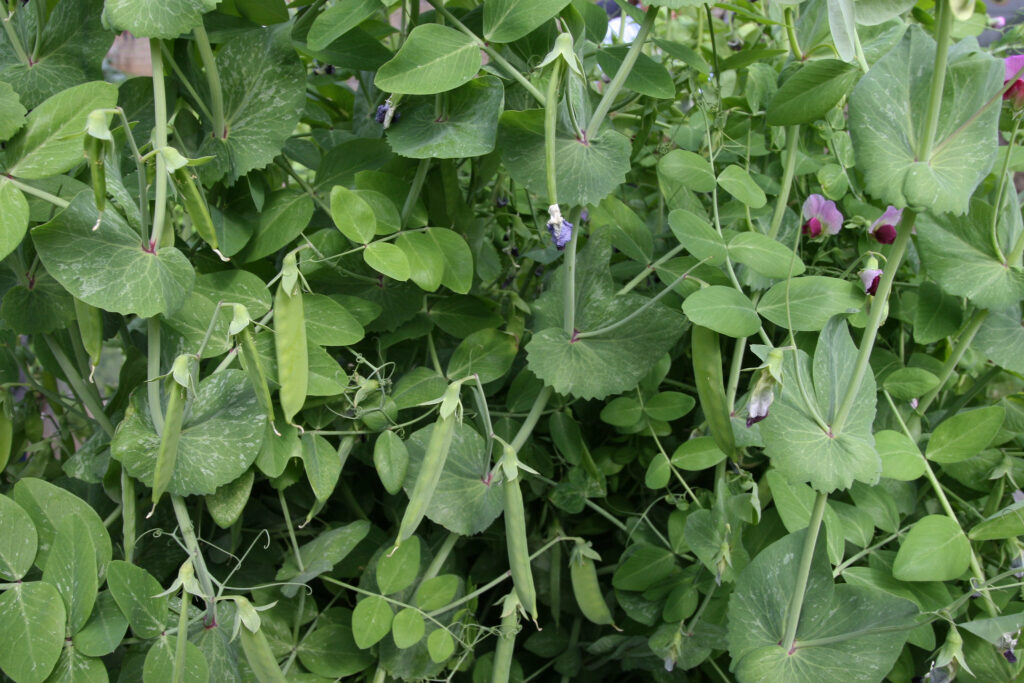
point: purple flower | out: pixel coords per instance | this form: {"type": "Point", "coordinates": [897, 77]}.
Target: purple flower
{"type": "Point", "coordinates": [870, 278]}
{"type": "Point", "coordinates": [1011, 66]}
{"type": "Point", "coordinates": [382, 111]}
{"type": "Point", "coordinates": [561, 232]}
{"type": "Point", "coordinates": [760, 398]}
{"type": "Point", "coordinates": [884, 229]}
{"type": "Point", "coordinates": [997, 22]}
{"type": "Point", "coordinates": [821, 213]}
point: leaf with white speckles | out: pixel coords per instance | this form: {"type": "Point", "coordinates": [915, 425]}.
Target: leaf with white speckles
{"type": "Point", "coordinates": [32, 621]}
{"type": "Point", "coordinates": [163, 19]}
{"type": "Point", "coordinates": [221, 435]}
{"type": "Point", "coordinates": [109, 267]}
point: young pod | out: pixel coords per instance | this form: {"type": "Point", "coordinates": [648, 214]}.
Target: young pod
{"type": "Point", "coordinates": [506, 646]}
{"type": "Point", "coordinates": [90, 329]}
{"type": "Point", "coordinates": [429, 475]}
{"type": "Point", "coordinates": [707, 375]}
{"type": "Point", "coordinates": [95, 151]}
{"type": "Point", "coordinates": [254, 369]}
{"type": "Point", "coordinates": [290, 340]}
{"type": "Point", "coordinates": [518, 550]}
{"type": "Point", "coordinates": [586, 589]}
{"type": "Point", "coordinates": [167, 455]}
{"type": "Point", "coordinates": [259, 655]}
{"type": "Point", "coordinates": [195, 205]}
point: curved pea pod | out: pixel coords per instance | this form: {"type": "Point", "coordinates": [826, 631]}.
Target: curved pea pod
{"type": "Point", "coordinates": [707, 375]}
{"type": "Point", "coordinates": [429, 475]}
{"type": "Point", "coordinates": [195, 205]}
{"type": "Point", "coordinates": [257, 376]}
{"type": "Point", "coordinates": [586, 589]}
{"type": "Point", "coordinates": [95, 151]}
{"type": "Point", "coordinates": [167, 456]}
{"type": "Point", "coordinates": [518, 550]}
{"type": "Point", "coordinates": [290, 340]}
{"type": "Point", "coordinates": [90, 329]}
{"type": "Point", "coordinates": [260, 657]}
{"type": "Point", "coordinates": [6, 437]}
{"type": "Point", "coordinates": [506, 646]}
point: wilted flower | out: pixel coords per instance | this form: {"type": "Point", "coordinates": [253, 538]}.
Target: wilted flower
{"type": "Point", "coordinates": [1011, 66]}
{"type": "Point", "coordinates": [821, 213]}
{"type": "Point", "coordinates": [1006, 644]}
{"type": "Point", "coordinates": [884, 229]}
{"type": "Point", "coordinates": [385, 113]}
{"type": "Point", "coordinates": [761, 398]}
{"type": "Point", "coordinates": [560, 229]}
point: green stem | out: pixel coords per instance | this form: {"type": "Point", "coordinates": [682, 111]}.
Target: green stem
{"type": "Point", "coordinates": [993, 228]}
{"type": "Point", "coordinates": [629, 286]}
{"type": "Point", "coordinates": [550, 133]}
{"type": "Point", "coordinates": [15, 42]}
{"type": "Point", "coordinates": [865, 552]}
{"type": "Point", "coordinates": [878, 309]}
{"type": "Point", "coordinates": [612, 91]}
{"type": "Point", "coordinates": [859, 50]}
{"type": "Point", "coordinates": [140, 169]}
{"type": "Point", "coordinates": [212, 80]}
{"type": "Point", "coordinates": [536, 410]}
{"type": "Point", "coordinates": [569, 291]}
{"type": "Point", "coordinates": [440, 557]}
{"type": "Point", "coordinates": [794, 45]}
{"type": "Point", "coordinates": [734, 371]}
{"type": "Point", "coordinates": [79, 386]}
{"type": "Point", "coordinates": [931, 121]}
{"type": "Point", "coordinates": [188, 534]}
{"type": "Point", "coordinates": [414, 190]}
{"type": "Point", "coordinates": [159, 140]}
{"type": "Point", "coordinates": [796, 601]}
{"type": "Point", "coordinates": [42, 194]}
{"type": "Point", "coordinates": [963, 342]}
{"type": "Point", "coordinates": [647, 304]}
{"type": "Point", "coordinates": [181, 642]}
{"type": "Point", "coordinates": [128, 509]}
{"type": "Point", "coordinates": [792, 136]}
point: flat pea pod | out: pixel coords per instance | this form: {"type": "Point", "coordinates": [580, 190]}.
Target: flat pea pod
{"type": "Point", "coordinates": [95, 150]}
{"type": "Point", "coordinates": [195, 205]}
{"type": "Point", "coordinates": [429, 474]}
{"type": "Point", "coordinates": [6, 437]}
{"type": "Point", "coordinates": [257, 376]}
{"type": "Point", "coordinates": [587, 590]}
{"type": "Point", "coordinates": [290, 340]}
{"type": "Point", "coordinates": [707, 375]}
{"type": "Point", "coordinates": [503, 651]}
{"type": "Point", "coordinates": [90, 330]}
{"type": "Point", "coordinates": [167, 456]}
{"type": "Point", "coordinates": [518, 550]}
{"type": "Point", "coordinates": [260, 657]}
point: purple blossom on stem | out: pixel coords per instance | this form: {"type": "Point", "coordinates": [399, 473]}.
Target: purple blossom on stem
{"type": "Point", "coordinates": [870, 277]}
{"type": "Point", "coordinates": [760, 398]}
{"type": "Point", "coordinates": [561, 233]}
{"type": "Point", "coordinates": [884, 229]}
{"type": "Point", "coordinates": [1011, 66]}
{"type": "Point", "coordinates": [821, 214]}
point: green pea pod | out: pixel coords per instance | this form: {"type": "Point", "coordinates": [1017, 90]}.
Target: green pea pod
{"type": "Point", "coordinates": [195, 205]}
{"type": "Point", "coordinates": [429, 475]}
{"type": "Point", "coordinates": [168, 453]}
{"type": "Point", "coordinates": [257, 377]}
{"type": "Point", "coordinates": [518, 550]}
{"type": "Point", "coordinates": [707, 374]}
{"type": "Point", "coordinates": [290, 341]}
{"type": "Point", "coordinates": [95, 150]}
{"type": "Point", "coordinates": [90, 329]}
{"type": "Point", "coordinates": [6, 437]}
{"type": "Point", "coordinates": [260, 657]}
{"type": "Point", "coordinates": [587, 591]}
{"type": "Point", "coordinates": [503, 651]}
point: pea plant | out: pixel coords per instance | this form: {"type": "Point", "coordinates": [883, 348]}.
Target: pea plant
{"type": "Point", "coordinates": [717, 307]}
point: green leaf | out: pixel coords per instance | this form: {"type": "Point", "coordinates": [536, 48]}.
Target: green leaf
{"type": "Point", "coordinates": [19, 541]}
{"type": "Point", "coordinates": [330, 650]}
{"type": "Point", "coordinates": [110, 267]}
{"type": "Point", "coordinates": [688, 169]}
{"type": "Point", "coordinates": [160, 662]}
{"type": "Point", "coordinates": [810, 302]}
{"type": "Point", "coordinates": [167, 19]}
{"type": "Point", "coordinates": [285, 214]}
{"type": "Point", "coordinates": [51, 141]}
{"type": "Point", "coordinates": [795, 502]}
{"type": "Point", "coordinates": [326, 378]}
{"type": "Point", "coordinates": [14, 209]}
{"type": "Point", "coordinates": [957, 250]}
{"type": "Point", "coordinates": [408, 628]}
{"type": "Point", "coordinates": [938, 315]}
{"type": "Point", "coordinates": [426, 262]}
{"type": "Point", "coordinates": [328, 323]}
{"type": "Point", "coordinates": [397, 569]}
{"type": "Point", "coordinates": [437, 592]}
{"type": "Point", "coordinates": [75, 667]}
{"type": "Point", "coordinates": [647, 76]}
{"type": "Point", "coordinates": [487, 353]}
{"type": "Point", "coordinates": [47, 505]}
{"type": "Point", "coordinates": [696, 234]}
{"type": "Point", "coordinates": [136, 591]}
{"type": "Point", "coordinates": [321, 554]}
{"type": "Point", "coordinates": [901, 460]}
{"type": "Point", "coordinates": [391, 459]}
{"type": "Point", "coordinates": [388, 260]}
{"type": "Point", "coordinates": [724, 310]}
{"type": "Point", "coordinates": [613, 362]}
{"type": "Point", "coordinates": [886, 111]}
{"type": "Point", "coordinates": [850, 633]}
{"type": "Point", "coordinates": [586, 172]}
{"type": "Point", "coordinates": [874, 12]}
{"type": "Point", "coordinates": [645, 566]}
{"type": "Point", "coordinates": [440, 645]}
{"type": "Point", "coordinates": [32, 621]}
{"type": "Point", "coordinates": [352, 215]}
{"type": "Point", "coordinates": [258, 61]}
{"type": "Point", "coordinates": [935, 549]}
{"type": "Point", "coordinates": [432, 59]}
{"type": "Point", "coordinates": [797, 445]}
{"type": "Point", "coordinates": [629, 233]}
{"type": "Point", "coordinates": [965, 435]}
{"type": "Point", "coordinates": [843, 27]}
{"type": "Point", "coordinates": [715, 543]}
{"type": "Point", "coordinates": [38, 307]}
{"type": "Point", "coordinates": [467, 128]}
{"type": "Point", "coordinates": [12, 112]}
{"type": "Point", "coordinates": [464, 501]}
{"type": "Point", "coordinates": [371, 621]}
{"type": "Point", "coordinates": [322, 465]}
{"type": "Point", "coordinates": [765, 256]}
{"type": "Point", "coordinates": [228, 502]}
{"type": "Point", "coordinates": [669, 405]}
{"type": "Point", "coordinates": [71, 567]}
{"type": "Point", "coordinates": [697, 454]}
{"type": "Point", "coordinates": [339, 19]}
{"type": "Point", "coordinates": [658, 472]}
{"type": "Point", "coordinates": [1007, 523]}
{"type": "Point", "coordinates": [103, 632]}
{"type": "Point", "coordinates": [624, 411]}
{"type": "Point", "coordinates": [508, 20]}
{"type": "Point", "coordinates": [221, 435]}
{"type": "Point", "coordinates": [1001, 339]}
{"type": "Point", "coordinates": [737, 182]}
{"type": "Point", "coordinates": [907, 383]}
{"type": "Point", "coordinates": [458, 259]}
{"type": "Point", "coordinates": [811, 92]}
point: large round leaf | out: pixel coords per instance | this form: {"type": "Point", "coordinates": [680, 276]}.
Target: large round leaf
{"type": "Point", "coordinates": [724, 310]}
{"type": "Point", "coordinates": [936, 549]}
{"type": "Point", "coordinates": [508, 20]}
{"type": "Point", "coordinates": [164, 19]}
{"type": "Point", "coordinates": [14, 214]}
{"type": "Point", "coordinates": [811, 92]}
{"type": "Point", "coordinates": [19, 541]}
{"type": "Point", "coordinates": [806, 303]}
{"type": "Point", "coordinates": [464, 501]}
{"type": "Point", "coordinates": [221, 435]}
{"type": "Point", "coordinates": [111, 267]}
{"type": "Point", "coordinates": [467, 128]}
{"type": "Point", "coordinates": [433, 59]}
{"type": "Point", "coordinates": [32, 621]}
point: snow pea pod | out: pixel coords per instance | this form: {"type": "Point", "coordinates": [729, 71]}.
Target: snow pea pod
{"type": "Point", "coordinates": [195, 205]}
{"type": "Point", "coordinates": [586, 589]}
{"type": "Point", "coordinates": [518, 550]}
{"type": "Point", "coordinates": [90, 329]}
{"type": "Point", "coordinates": [429, 474]}
{"type": "Point", "coordinates": [254, 369]}
{"type": "Point", "coordinates": [503, 651]}
{"type": "Point", "coordinates": [707, 375]}
{"type": "Point", "coordinates": [95, 149]}
{"type": "Point", "coordinates": [167, 455]}
{"type": "Point", "coordinates": [290, 340]}
{"type": "Point", "coordinates": [260, 657]}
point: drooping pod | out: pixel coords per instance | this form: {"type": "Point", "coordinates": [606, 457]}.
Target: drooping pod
{"type": "Point", "coordinates": [585, 587]}
{"type": "Point", "coordinates": [95, 151]}
{"type": "Point", "coordinates": [90, 330]}
{"type": "Point", "coordinates": [430, 473]}
{"type": "Point", "coordinates": [167, 455]}
{"type": "Point", "coordinates": [503, 651]}
{"type": "Point", "coordinates": [707, 375]}
{"type": "Point", "coordinates": [195, 204]}
{"type": "Point", "coordinates": [515, 535]}
{"type": "Point", "coordinates": [250, 361]}
{"type": "Point", "coordinates": [290, 340]}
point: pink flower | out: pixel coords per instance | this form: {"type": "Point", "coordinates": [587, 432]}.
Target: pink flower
{"type": "Point", "coordinates": [870, 278]}
{"type": "Point", "coordinates": [884, 229]}
{"type": "Point", "coordinates": [821, 213]}
{"type": "Point", "coordinates": [1011, 66]}
{"type": "Point", "coordinates": [997, 22]}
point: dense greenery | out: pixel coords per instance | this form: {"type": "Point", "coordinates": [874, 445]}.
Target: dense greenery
{"type": "Point", "coordinates": [473, 344]}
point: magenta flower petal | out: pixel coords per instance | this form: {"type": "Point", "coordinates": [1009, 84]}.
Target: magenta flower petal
{"type": "Point", "coordinates": [870, 278]}
{"type": "Point", "coordinates": [820, 213]}
{"type": "Point", "coordinates": [1012, 65]}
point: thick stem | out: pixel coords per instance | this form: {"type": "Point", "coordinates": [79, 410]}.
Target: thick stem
{"type": "Point", "coordinates": [128, 509]}
{"type": "Point", "coordinates": [188, 534]}
{"type": "Point", "coordinates": [569, 291]}
{"type": "Point", "coordinates": [159, 140]}
{"type": "Point", "coordinates": [792, 136]}
{"type": "Point", "coordinates": [414, 190]}
{"type": "Point", "coordinates": [931, 122]}
{"type": "Point", "coordinates": [36, 192]}
{"type": "Point", "coordinates": [212, 80]}
{"type": "Point", "coordinates": [550, 132]}
{"type": "Point", "coordinates": [532, 417]}
{"type": "Point", "coordinates": [796, 601]}
{"type": "Point", "coordinates": [650, 269]}
{"type": "Point", "coordinates": [612, 91]}
{"type": "Point", "coordinates": [794, 45]}
{"type": "Point", "coordinates": [878, 308]}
